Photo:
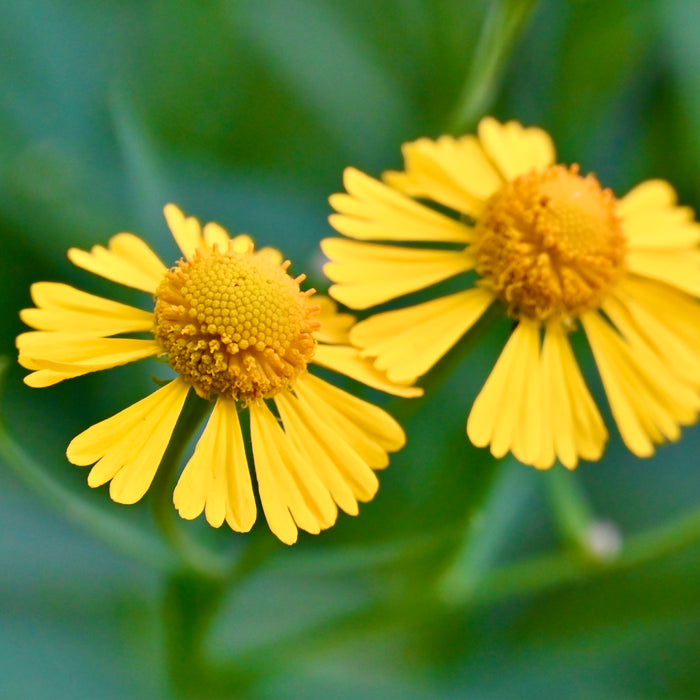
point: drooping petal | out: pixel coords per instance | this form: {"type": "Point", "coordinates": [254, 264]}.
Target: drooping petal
{"type": "Point", "coordinates": [332, 458]}
{"type": "Point", "coordinates": [216, 479]}
{"type": "Point", "coordinates": [374, 211]}
{"type": "Point", "coordinates": [577, 428]}
{"type": "Point", "coordinates": [515, 149]}
{"type": "Point", "coordinates": [129, 446]}
{"type": "Point", "coordinates": [291, 493]}
{"type": "Point", "coordinates": [665, 321]}
{"type": "Point", "coordinates": [359, 422]}
{"type": "Point", "coordinates": [408, 342]}
{"type": "Point", "coordinates": [126, 260]}
{"type": "Point", "coordinates": [679, 268]}
{"type": "Point", "coordinates": [348, 361]}
{"type": "Point", "coordinates": [74, 354]}
{"type": "Point", "coordinates": [61, 307]}
{"type": "Point", "coordinates": [647, 401]}
{"type": "Point", "coordinates": [500, 416]}
{"type": "Point", "coordinates": [453, 172]}
{"type": "Point", "coordinates": [187, 231]}
{"type": "Point", "coordinates": [368, 274]}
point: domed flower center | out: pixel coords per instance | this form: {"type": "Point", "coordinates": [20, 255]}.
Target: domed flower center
{"type": "Point", "coordinates": [235, 324]}
{"type": "Point", "coordinates": [549, 243]}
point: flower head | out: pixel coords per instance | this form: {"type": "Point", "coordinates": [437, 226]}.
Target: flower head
{"type": "Point", "coordinates": [555, 251]}
{"type": "Point", "coordinates": [239, 331]}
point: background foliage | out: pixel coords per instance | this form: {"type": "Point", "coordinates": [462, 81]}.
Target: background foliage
{"type": "Point", "coordinates": [246, 113]}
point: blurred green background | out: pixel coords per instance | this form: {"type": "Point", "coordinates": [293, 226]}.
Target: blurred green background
{"type": "Point", "coordinates": [246, 113]}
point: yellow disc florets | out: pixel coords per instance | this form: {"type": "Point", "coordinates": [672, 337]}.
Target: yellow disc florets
{"type": "Point", "coordinates": [550, 244]}
{"type": "Point", "coordinates": [235, 324]}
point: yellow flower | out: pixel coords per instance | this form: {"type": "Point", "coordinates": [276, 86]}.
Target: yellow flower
{"type": "Point", "coordinates": [555, 250]}
{"type": "Point", "coordinates": [239, 331]}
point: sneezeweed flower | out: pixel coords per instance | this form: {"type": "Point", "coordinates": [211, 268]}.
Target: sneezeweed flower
{"type": "Point", "coordinates": [556, 251]}
{"type": "Point", "coordinates": [238, 330]}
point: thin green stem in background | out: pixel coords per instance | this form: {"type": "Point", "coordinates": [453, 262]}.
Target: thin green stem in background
{"type": "Point", "coordinates": [504, 22]}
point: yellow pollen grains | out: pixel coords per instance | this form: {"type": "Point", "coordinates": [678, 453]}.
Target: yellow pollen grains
{"type": "Point", "coordinates": [549, 243]}
{"type": "Point", "coordinates": [235, 324]}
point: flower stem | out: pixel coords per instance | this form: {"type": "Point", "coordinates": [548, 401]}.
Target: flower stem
{"type": "Point", "coordinates": [116, 531]}
{"type": "Point", "coordinates": [504, 22]}
{"type": "Point", "coordinates": [489, 522]}
{"type": "Point", "coordinates": [194, 555]}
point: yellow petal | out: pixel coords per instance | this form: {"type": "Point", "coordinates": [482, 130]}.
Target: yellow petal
{"type": "Point", "coordinates": [408, 342]}
{"type": "Point", "coordinates": [677, 310]}
{"type": "Point", "coordinates": [129, 446]}
{"type": "Point", "coordinates": [65, 352]}
{"type": "Point", "coordinates": [680, 269]}
{"type": "Point", "coordinates": [353, 416]}
{"type": "Point", "coordinates": [498, 407]}
{"type": "Point", "coordinates": [334, 325]}
{"type": "Point", "coordinates": [289, 481]}
{"type": "Point", "coordinates": [652, 220]}
{"type": "Point", "coordinates": [640, 326]}
{"type": "Point", "coordinates": [647, 197]}
{"type": "Point", "coordinates": [370, 274]}
{"type": "Point", "coordinates": [186, 231]}
{"type": "Point", "coordinates": [215, 236]}
{"type": "Point", "coordinates": [453, 172]}
{"type": "Point", "coordinates": [374, 211]}
{"type": "Point", "coordinates": [127, 260]}
{"type": "Point", "coordinates": [330, 464]}
{"type": "Point", "coordinates": [217, 478]}
{"type": "Point", "coordinates": [348, 361]}
{"type": "Point", "coordinates": [64, 308]}
{"type": "Point", "coordinates": [647, 401]}
{"type": "Point", "coordinates": [514, 149]}
{"type": "Point", "coordinates": [577, 428]}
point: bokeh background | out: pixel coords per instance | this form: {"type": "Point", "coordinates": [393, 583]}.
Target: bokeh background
{"type": "Point", "coordinates": [246, 113]}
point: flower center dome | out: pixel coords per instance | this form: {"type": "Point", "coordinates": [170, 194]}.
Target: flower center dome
{"type": "Point", "coordinates": [235, 324]}
{"type": "Point", "coordinates": [550, 244]}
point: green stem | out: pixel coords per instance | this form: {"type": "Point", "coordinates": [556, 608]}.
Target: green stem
{"type": "Point", "coordinates": [485, 531]}
{"type": "Point", "coordinates": [571, 508]}
{"type": "Point", "coordinates": [557, 569]}
{"type": "Point", "coordinates": [116, 531]}
{"type": "Point", "coordinates": [194, 555]}
{"type": "Point", "coordinates": [504, 22]}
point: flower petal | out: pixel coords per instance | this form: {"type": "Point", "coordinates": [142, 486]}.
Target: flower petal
{"type": "Point", "coordinates": [289, 487]}
{"type": "Point", "coordinates": [679, 268]}
{"type": "Point", "coordinates": [348, 361]}
{"type": "Point", "coordinates": [187, 231]}
{"type": "Point", "coordinates": [499, 408]}
{"type": "Point", "coordinates": [647, 401]}
{"type": "Point", "coordinates": [577, 428]}
{"type": "Point", "coordinates": [216, 236]}
{"type": "Point", "coordinates": [129, 446]}
{"type": "Point", "coordinates": [515, 149]}
{"type": "Point", "coordinates": [369, 274]}
{"type": "Point", "coordinates": [126, 260]}
{"type": "Point", "coordinates": [335, 326]}
{"type": "Point", "coordinates": [217, 478]}
{"type": "Point", "coordinates": [75, 354]}
{"type": "Point", "coordinates": [453, 172]}
{"type": "Point", "coordinates": [64, 308]}
{"type": "Point", "coordinates": [408, 342]}
{"type": "Point", "coordinates": [672, 334]}
{"type": "Point", "coordinates": [358, 421]}
{"type": "Point", "coordinates": [652, 221]}
{"type": "Point", "coordinates": [324, 448]}
{"type": "Point", "coordinates": [374, 211]}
